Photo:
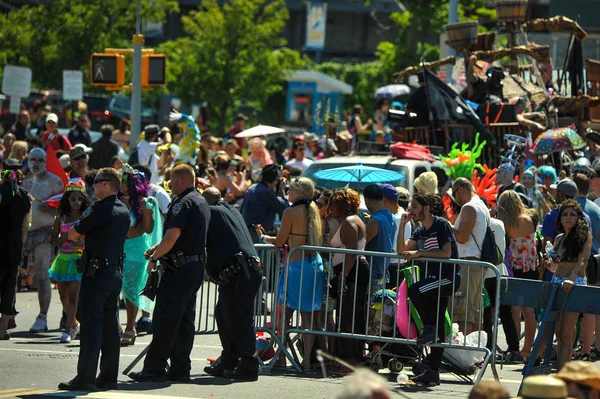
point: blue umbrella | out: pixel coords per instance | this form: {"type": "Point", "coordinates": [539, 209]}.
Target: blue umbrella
{"type": "Point", "coordinates": [359, 174]}
{"type": "Point", "coordinates": [391, 91]}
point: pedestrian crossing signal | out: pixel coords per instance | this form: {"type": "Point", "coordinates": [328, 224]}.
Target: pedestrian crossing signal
{"type": "Point", "coordinates": [107, 69]}
{"type": "Point", "coordinates": [154, 68]}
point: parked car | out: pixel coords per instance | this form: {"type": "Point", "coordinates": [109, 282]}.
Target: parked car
{"type": "Point", "coordinates": [411, 169]}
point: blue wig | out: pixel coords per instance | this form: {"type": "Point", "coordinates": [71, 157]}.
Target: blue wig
{"type": "Point", "coordinates": [548, 171]}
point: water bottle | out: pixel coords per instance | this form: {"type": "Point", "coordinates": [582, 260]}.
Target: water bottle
{"type": "Point", "coordinates": [550, 250]}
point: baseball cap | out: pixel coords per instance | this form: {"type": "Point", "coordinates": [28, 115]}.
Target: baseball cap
{"type": "Point", "coordinates": [78, 150]}
{"type": "Point", "coordinates": [403, 194]}
{"type": "Point", "coordinates": [52, 118]}
{"type": "Point", "coordinates": [270, 173]}
{"type": "Point", "coordinates": [566, 186]}
{"type": "Point", "coordinates": [389, 192]}
{"type": "Point", "coordinates": [151, 130]}
{"type": "Point", "coordinates": [310, 137]}
{"type": "Point", "coordinates": [580, 372]}
{"type": "Point", "coordinates": [595, 172]}
{"type": "Point", "coordinates": [241, 117]}
{"type": "Point", "coordinates": [64, 160]}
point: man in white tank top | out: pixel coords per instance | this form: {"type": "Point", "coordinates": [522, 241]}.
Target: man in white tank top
{"type": "Point", "coordinates": [469, 229]}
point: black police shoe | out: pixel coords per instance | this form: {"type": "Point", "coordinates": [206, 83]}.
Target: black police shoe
{"type": "Point", "coordinates": [243, 375]}
{"type": "Point", "coordinates": [103, 385]}
{"type": "Point", "coordinates": [178, 377]}
{"type": "Point", "coordinates": [76, 385]}
{"type": "Point", "coordinates": [218, 370]}
{"type": "Point", "coordinates": [428, 336]}
{"type": "Point", "coordinates": [429, 378]}
{"type": "Point", "coordinates": [144, 376]}
{"type": "Point", "coordinates": [144, 326]}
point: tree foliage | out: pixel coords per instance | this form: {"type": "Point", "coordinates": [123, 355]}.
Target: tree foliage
{"type": "Point", "coordinates": [232, 54]}
{"type": "Point", "coordinates": [420, 27]}
{"type": "Point", "coordinates": [63, 34]}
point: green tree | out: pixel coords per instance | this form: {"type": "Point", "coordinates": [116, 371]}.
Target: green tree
{"type": "Point", "coordinates": [420, 27]}
{"type": "Point", "coordinates": [63, 34]}
{"type": "Point", "coordinates": [232, 54]}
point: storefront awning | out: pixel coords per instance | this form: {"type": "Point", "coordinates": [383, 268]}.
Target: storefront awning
{"type": "Point", "coordinates": [325, 83]}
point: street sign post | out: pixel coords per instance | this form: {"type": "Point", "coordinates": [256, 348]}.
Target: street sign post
{"type": "Point", "coordinates": [72, 85]}
{"type": "Point", "coordinates": [14, 106]}
{"type": "Point", "coordinates": [16, 81]}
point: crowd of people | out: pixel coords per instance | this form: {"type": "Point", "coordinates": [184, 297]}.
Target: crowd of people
{"type": "Point", "coordinates": [279, 207]}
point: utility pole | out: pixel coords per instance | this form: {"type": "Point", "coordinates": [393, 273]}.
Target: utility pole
{"type": "Point", "coordinates": [452, 19]}
{"type": "Point", "coordinates": [136, 86]}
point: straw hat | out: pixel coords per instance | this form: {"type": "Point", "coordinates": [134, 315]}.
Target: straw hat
{"type": "Point", "coordinates": [427, 183]}
{"type": "Point", "coordinates": [580, 372]}
{"type": "Point", "coordinates": [543, 387]}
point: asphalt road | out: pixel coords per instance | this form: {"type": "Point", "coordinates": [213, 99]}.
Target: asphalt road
{"type": "Point", "coordinates": [32, 365]}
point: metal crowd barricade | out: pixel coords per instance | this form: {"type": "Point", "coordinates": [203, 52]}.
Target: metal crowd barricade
{"type": "Point", "coordinates": [302, 278]}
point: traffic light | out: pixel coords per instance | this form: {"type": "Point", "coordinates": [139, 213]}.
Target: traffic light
{"type": "Point", "coordinates": [154, 70]}
{"type": "Point", "coordinates": [107, 69]}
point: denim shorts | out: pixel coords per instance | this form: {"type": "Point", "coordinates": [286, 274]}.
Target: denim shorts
{"type": "Point", "coordinates": [578, 280]}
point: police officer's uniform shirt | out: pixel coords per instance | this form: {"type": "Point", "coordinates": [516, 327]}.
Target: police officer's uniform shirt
{"type": "Point", "coordinates": [13, 209]}
{"type": "Point", "coordinates": [227, 235]}
{"type": "Point", "coordinates": [189, 212]}
{"type": "Point", "coordinates": [105, 225]}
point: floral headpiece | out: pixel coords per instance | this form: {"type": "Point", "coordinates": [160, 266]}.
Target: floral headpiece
{"type": "Point", "coordinates": [127, 170]}
{"type": "Point", "coordinates": [76, 184]}
{"type": "Point", "coordinates": [10, 175]}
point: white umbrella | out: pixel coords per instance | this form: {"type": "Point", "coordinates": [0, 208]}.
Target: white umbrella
{"type": "Point", "coordinates": [391, 91]}
{"type": "Point", "coordinates": [260, 130]}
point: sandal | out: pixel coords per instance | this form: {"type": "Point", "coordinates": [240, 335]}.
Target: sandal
{"type": "Point", "coordinates": [128, 338]}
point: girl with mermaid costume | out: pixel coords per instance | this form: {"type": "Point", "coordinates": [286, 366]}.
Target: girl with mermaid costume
{"type": "Point", "coordinates": [301, 225]}
{"type": "Point", "coordinates": [64, 269]}
{"type": "Point", "coordinates": [144, 232]}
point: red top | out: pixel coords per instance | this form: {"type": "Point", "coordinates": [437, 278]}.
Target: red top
{"type": "Point", "coordinates": [59, 142]}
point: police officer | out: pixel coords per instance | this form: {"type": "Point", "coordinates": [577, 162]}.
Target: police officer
{"type": "Point", "coordinates": [105, 225]}
{"type": "Point", "coordinates": [182, 255]}
{"type": "Point", "coordinates": [15, 208]}
{"type": "Point", "coordinates": [236, 267]}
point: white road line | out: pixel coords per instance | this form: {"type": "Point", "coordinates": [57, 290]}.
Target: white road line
{"type": "Point", "coordinates": [108, 395]}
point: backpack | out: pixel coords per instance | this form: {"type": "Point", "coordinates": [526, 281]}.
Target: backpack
{"type": "Point", "coordinates": [489, 250]}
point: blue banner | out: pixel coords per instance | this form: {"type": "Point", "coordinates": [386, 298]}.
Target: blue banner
{"type": "Point", "coordinates": [316, 19]}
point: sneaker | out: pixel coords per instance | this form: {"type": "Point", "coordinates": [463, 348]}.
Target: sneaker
{"type": "Point", "coordinates": [63, 321]}
{"type": "Point", "coordinates": [74, 331]}
{"type": "Point", "coordinates": [429, 378]}
{"type": "Point", "coordinates": [428, 336]}
{"type": "Point", "coordinates": [144, 325]}
{"type": "Point", "coordinates": [40, 325]}
{"type": "Point", "coordinates": [65, 338]}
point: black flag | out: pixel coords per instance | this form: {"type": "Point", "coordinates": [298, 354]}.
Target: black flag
{"type": "Point", "coordinates": [446, 105]}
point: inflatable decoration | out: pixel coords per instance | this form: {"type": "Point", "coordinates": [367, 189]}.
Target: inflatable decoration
{"type": "Point", "coordinates": [485, 185]}
{"type": "Point", "coordinates": [462, 162]}
{"type": "Point", "coordinates": [190, 142]}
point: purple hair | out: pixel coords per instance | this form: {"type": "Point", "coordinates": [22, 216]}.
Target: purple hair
{"type": "Point", "coordinates": [138, 188]}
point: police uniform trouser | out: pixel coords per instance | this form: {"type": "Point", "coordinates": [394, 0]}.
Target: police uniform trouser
{"type": "Point", "coordinates": [424, 296]}
{"type": "Point", "coordinates": [173, 320]}
{"type": "Point", "coordinates": [99, 304]}
{"type": "Point", "coordinates": [235, 319]}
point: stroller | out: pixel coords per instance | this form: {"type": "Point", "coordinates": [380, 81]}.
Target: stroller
{"type": "Point", "coordinates": [397, 314]}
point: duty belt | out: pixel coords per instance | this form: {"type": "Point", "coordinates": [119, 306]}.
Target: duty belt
{"type": "Point", "coordinates": [174, 261]}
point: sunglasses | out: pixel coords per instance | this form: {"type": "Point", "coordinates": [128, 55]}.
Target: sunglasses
{"type": "Point", "coordinates": [320, 205]}
{"type": "Point", "coordinates": [79, 158]}
{"type": "Point", "coordinates": [96, 181]}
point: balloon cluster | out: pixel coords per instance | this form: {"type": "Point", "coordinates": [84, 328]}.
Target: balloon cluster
{"type": "Point", "coordinates": [463, 162]}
